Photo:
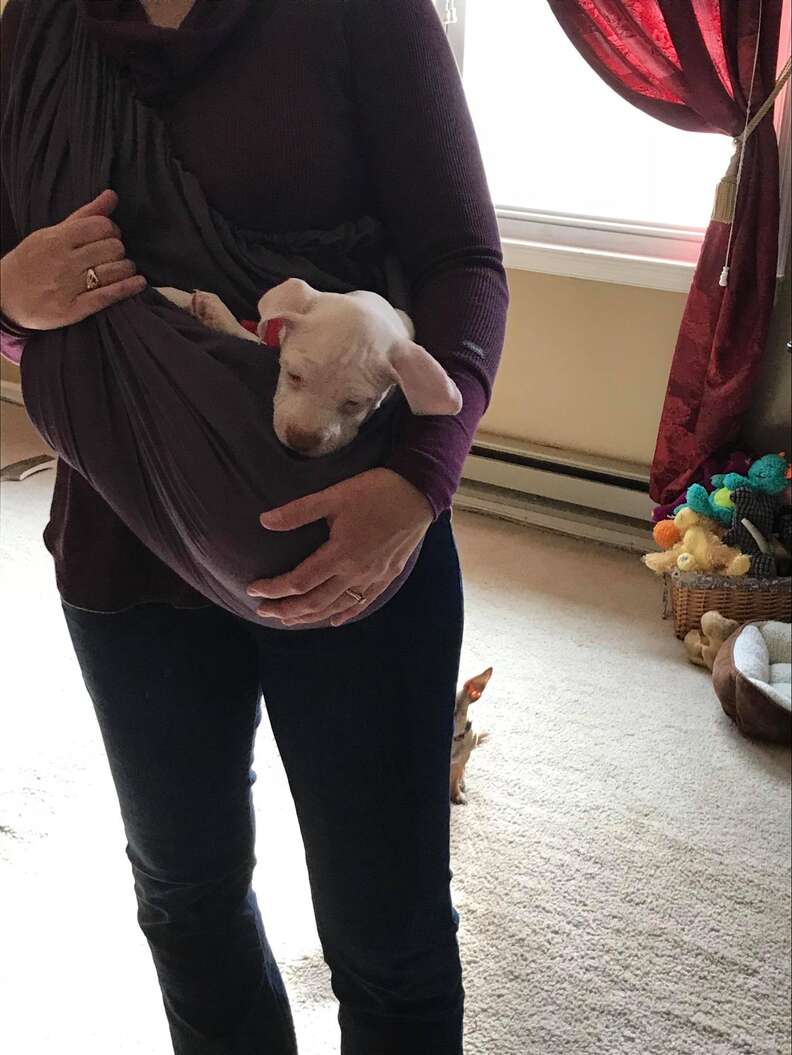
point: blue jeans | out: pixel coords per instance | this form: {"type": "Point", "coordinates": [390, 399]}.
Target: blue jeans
{"type": "Point", "coordinates": [362, 716]}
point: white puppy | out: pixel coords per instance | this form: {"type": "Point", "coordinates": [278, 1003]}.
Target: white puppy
{"type": "Point", "coordinates": [340, 356]}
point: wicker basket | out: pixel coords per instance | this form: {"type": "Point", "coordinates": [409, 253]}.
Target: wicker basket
{"type": "Point", "coordinates": [687, 596]}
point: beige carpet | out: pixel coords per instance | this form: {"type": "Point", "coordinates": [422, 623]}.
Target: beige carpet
{"type": "Point", "coordinates": [622, 869]}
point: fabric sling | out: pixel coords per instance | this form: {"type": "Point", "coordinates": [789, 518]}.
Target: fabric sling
{"type": "Point", "coordinates": [170, 422]}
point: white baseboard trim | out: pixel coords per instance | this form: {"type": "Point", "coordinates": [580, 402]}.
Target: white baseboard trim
{"type": "Point", "coordinates": [553, 516]}
{"type": "Point", "coordinates": [11, 392]}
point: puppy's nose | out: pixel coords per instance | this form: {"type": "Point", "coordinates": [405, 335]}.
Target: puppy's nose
{"type": "Point", "coordinates": [301, 440]}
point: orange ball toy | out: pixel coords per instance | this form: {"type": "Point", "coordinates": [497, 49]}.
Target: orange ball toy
{"type": "Point", "coordinates": [666, 534]}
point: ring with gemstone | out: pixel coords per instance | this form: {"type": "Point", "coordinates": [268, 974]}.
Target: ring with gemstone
{"type": "Point", "coordinates": [91, 280]}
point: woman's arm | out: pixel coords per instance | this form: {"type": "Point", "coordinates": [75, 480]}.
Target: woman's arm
{"type": "Point", "coordinates": [12, 337]}
{"type": "Point", "coordinates": [43, 276]}
{"type": "Point", "coordinates": [426, 169]}
{"type": "Point", "coordinates": [418, 141]}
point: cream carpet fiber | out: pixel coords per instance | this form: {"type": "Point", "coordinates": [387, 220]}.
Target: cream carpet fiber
{"type": "Point", "coordinates": [621, 870]}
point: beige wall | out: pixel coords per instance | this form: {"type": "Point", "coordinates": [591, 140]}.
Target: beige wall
{"type": "Point", "coordinates": [585, 365]}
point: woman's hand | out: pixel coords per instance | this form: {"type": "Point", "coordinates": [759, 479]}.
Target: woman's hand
{"type": "Point", "coordinates": [44, 279]}
{"type": "Point", "coordinates": [376, 520]}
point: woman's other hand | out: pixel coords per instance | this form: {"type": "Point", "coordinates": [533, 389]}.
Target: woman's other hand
{"type": "Point", "coordinates": [43, 280]}
{"type": "Point", "coordinates": [376, 521]}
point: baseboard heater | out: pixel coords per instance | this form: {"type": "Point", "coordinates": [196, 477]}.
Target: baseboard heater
{"type": "Point", "coordinates": [601, 499]}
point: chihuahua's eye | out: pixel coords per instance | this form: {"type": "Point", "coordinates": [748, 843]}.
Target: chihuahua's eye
{"type": "Point", "coordinates": [296, 379]}
{"type": "Point", "coordinates": [352, 406]}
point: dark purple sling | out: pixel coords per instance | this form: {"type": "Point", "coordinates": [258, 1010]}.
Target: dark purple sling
{"type": "Point", "coordinates": [169, 422]}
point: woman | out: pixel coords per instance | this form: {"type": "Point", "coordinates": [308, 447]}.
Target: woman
{"type": "Point", "coordinates": [292, 117]}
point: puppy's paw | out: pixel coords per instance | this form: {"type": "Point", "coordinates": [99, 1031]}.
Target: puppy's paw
{"type": "Point", "coordinates": [179, 297]}
{"type": "Point", "coordinates": [213, 313]}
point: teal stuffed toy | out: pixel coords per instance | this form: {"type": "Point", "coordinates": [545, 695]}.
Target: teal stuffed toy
{"type": "Point", "coordinates": [767, 475]}
{"type": "Point", "coordinates": [717, 506]}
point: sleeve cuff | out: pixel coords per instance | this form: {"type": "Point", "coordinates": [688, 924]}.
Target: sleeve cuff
{"type": "Point", "coordinates": [12, 339]}
{"type": "Point", "coordinates": [13, 329]}
{"type": "Point", "coordinates": [432, 450]}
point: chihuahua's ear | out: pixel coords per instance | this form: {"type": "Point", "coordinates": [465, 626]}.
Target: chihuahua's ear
{"type": "Point", "coordinates": [474, 687]}
{"type": "Point", "coordinates": [285, 303]}
{"type": "Point", "coordinates": [426, 386]}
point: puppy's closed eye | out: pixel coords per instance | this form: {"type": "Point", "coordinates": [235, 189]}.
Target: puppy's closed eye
{"type": "Point", "coordinates": [354, 406]}
{"type": "Point", "coordinates": [296, 379]}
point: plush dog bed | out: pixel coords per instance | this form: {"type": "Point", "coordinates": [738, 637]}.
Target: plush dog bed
{"type": "Point", "coordinates": [752, 676]}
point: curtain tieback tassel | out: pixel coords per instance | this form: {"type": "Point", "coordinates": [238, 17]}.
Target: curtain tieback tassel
{"type": "Point", "coordinates": [727, 192]}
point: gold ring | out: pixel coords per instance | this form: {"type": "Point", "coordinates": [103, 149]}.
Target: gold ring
{"type": "Point", "coordinates": [358, 598]}
{"type": "Point", "coordinates": [91, 279]}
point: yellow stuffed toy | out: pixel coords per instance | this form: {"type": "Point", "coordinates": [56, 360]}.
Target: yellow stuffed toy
{"type": "Point", "coordinates": [698, 547]}
{"type": "Point", "coordinates": [703, 551]}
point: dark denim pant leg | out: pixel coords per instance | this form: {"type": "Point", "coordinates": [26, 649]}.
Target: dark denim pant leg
{"type": "Point", "coordinates": [363, 719]}
{"type": "Point", "coordinates": [176, 694]}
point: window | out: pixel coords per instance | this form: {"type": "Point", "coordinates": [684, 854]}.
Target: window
{"type": "Point", "coordinates": [584, 182]}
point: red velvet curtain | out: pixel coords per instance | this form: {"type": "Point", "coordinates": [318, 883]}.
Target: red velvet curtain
{"type": "Point", "coordinates": [689, 63]}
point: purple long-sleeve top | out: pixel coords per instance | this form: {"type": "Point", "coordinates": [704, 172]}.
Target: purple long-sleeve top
{"type": "Point", "coordinates": [297, 116]}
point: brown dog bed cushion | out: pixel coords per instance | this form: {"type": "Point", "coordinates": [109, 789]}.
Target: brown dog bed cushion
{"type": "Point", "coordinates": [752, 676]}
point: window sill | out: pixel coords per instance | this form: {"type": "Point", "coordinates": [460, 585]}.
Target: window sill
{"type": "Point", "coordinates": [600, 250]}
{"type": "Point", "coordinates": [598, 265]}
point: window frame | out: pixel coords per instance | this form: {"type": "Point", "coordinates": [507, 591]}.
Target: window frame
{"type": "Point", "coordinates": [653, 256]}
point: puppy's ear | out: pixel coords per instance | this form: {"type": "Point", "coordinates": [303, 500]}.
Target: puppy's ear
{"type": "Point", "coordinates": [285, 303]}
{"type": "Point", "coordinates": [408, 323]}
{"type": "Point", "coordinates": [426, 386]}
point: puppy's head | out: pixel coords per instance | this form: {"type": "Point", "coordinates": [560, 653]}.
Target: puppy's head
{"type": "Point", "coordinates": [340, 356]}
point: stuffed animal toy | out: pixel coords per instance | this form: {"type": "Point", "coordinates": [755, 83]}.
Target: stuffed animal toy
{"type": "Point", "coordinates": [703, 645]}
{"type": "Point", "coordinates": [768, 476]}
{"type": "Point", "coordinates": [737, 462]}
{"type": "Point", "coordinates": [699, 551]}
{"type": "Point", "coordinates": [665, 562]}
{"type": "Point", "coordinates": [668, 533]}
{"type": "Point", "coordinates": [465, 739]}
{"type": "Point", "coordinates": [688, 518]}
{"type": "Point", "coordinates": [717, 506]}
{"type": "Point", "coordinates": [699, 547]}
{"type": "Point", "coordinates": [752, 529]}
{"type": "Point", "coordinates": [703, 551]}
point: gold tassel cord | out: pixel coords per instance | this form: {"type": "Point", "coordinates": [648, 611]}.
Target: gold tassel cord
{"type": "Point", "coordinates": [726, 192]}
{"type": "Point", "coordinates": [723, 210]}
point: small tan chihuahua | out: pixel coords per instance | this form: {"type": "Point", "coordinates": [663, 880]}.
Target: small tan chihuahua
{"type": "Point", "coordinates": [465, 739]}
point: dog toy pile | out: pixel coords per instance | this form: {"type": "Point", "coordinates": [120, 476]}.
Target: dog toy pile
{"type": "Point", "coordinates": [742, 525]}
